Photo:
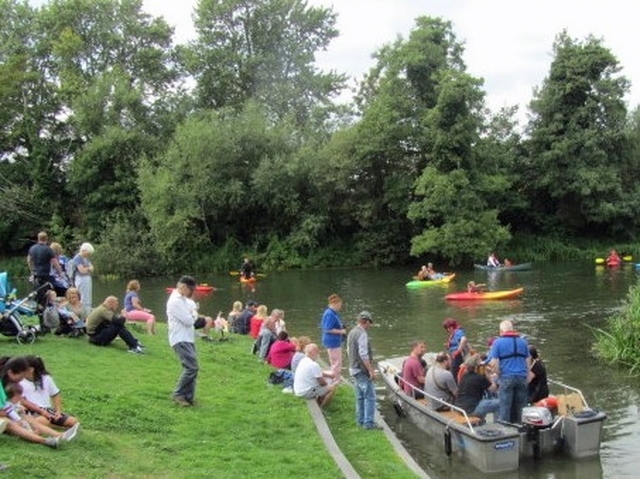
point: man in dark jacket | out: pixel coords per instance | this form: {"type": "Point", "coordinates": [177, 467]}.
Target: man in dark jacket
{"type": "Point", "coordinates": [243, 321]}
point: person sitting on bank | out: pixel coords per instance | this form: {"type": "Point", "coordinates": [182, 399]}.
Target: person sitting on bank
{"type": "Point", "coordinates": [281, 351]}
{"type": "Point", "coordinates": [310, 381]}
{"type": "Point", "coordinates": [413, 371]}
{"type": "Point", "coordinates": [242, 323]}
{"type": "Point", "coordinates": [300, 343]}
{"type": "Point", "coordinates": [439, 383]}
{"type": "Point", "coordinates": [104, 325]}
{"type": "Point", "coordinates": [256, 321]}
{"type": "Point", "coordinates": [475, 385]}
{"type": "Point", "coordinates": [265, 339]}
{"type": "Point", "coordinates": [134, 309]}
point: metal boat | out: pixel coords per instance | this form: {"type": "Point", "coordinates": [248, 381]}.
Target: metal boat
{"type": "Point", "coordinates": [574, 430]}
{"type": "Point", "coordinates": [513, 267]}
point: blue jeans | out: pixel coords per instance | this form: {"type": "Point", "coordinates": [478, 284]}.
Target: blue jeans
{"type": "Point", "coordinates": [512, 395]}
{"type": "Point", "coordinates": [365, 400]}
{"type": "Point", "coordinates": [186, 386]}
{"type": "Point", "coordinates": [486, 406]}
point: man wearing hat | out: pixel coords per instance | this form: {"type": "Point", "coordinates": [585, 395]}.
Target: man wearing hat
{"type": "Point", "coordinates": [182, 321]}
{"type": "Point", "coordinates": [361, 369]}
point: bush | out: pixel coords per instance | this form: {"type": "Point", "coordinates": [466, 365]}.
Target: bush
{"type": "Point", "coordinates": [620, 344]}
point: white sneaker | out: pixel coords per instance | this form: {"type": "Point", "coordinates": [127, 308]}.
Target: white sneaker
{"type": "Point", "coordinates": [136, 350]}
{"type": "Point", "coordinates": [287, 390]}
{"type": "Point", "coordinates": [70, 433]}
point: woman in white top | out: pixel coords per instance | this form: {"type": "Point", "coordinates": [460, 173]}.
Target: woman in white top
{"type": "Point", "coordinates": [82, 271]}
{"type": "Point", "coordinates": [38, 387]}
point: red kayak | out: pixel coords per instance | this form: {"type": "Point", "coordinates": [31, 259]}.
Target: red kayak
{"type": "Point", "coordinates": [487, 295]}
{"type": "Point", "coordinates": [201, 288]}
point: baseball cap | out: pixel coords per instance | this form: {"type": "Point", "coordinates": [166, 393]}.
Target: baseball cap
{"type": "Point", "coordinates": [365, 316]}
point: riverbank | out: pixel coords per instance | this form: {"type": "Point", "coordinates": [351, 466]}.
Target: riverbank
{"type": "Point", "coordinates": [241, 427]}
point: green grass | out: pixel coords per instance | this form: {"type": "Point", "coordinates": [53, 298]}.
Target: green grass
{"type": "Point", "coordinates": [241, 427]}
{"type": "Point", "coordinates": [619, 343]}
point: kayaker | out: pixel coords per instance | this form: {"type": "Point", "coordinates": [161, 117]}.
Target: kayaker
{"type": "Point", "coordinates": [492, 261]}
{"type": "Point", "coordinates": [247, 269]}
{"type": "Point", "coordinates": [613, 259]}
{"type": "Point", "coordinates": [472, 287]}
{"type": "Point", "coordinates": [507, 262]}
{"type": "Point", "coordinates": [423, 274]}
{"type": "Point", "coordinates": [432, 274]}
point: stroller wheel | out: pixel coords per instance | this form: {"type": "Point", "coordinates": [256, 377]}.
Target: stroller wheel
{"type": "Point", "coordinates": [26, 337]}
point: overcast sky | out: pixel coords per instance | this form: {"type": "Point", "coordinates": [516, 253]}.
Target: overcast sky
{"type": "Point", "coordinates": [508, 43]}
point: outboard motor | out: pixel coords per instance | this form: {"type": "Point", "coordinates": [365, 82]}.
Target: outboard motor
{"type": "Point", "coordinates": [534, 419]}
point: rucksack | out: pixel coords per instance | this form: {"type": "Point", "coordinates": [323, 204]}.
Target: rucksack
{"type": "Point", "coordinates": [280, 376]}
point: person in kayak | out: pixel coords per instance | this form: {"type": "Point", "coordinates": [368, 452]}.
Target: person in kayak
{"type": "Point", "coordinates": [247, 269]}
{"type": "Point", "coordinates": [492, 261]}
{"type": "Point", "coordinates": [432, 274]}
{"type": "Point", "coordinates": [473, 287]}
{"type": "Point", "coordinates": [613, 259]}
{"type": "Point", "coordinates": [423, 274]}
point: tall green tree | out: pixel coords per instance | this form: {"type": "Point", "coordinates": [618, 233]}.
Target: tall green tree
{"type": "Point", "coordinates": [577, 141]}
{"type": "Point", "coordinates": [116, 80]}
{"type": "Point", "coordinates": [213, 183]}
{"type": "Point", "coordinates": [420, 177]}
{"type": "Point", "coordinates": [264, 51]}
{"type": "Point", "coordinates": [33, 140]}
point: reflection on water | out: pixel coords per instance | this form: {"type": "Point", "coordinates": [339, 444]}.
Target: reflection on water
{"type": "Point", "coordinates": [559, 306]}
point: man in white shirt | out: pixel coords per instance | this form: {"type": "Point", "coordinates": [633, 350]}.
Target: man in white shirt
{"type": "Point", "coordinates": [182, 321]}
{"type": "Point", "coordinates": [309, 381]}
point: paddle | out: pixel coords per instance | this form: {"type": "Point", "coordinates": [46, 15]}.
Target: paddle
{"type": "Point", "coordinates": [237, 273]}
{"type": "Point", "coordinates": [599, 260]}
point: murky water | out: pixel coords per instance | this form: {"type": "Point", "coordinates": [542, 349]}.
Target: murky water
{"type": "Point", "coordinates": [560, 306]}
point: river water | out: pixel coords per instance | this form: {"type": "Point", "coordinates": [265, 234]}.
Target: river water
{"type": "Point", "coordinates": [560, 306]}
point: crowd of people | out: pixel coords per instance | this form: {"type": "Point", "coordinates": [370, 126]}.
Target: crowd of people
{"type": "Point", "coordinates": [64, 298]}
{"type": "Point", "coordinates": [502, 381]}
{"type": "Point", "coordinates": [296, 360]}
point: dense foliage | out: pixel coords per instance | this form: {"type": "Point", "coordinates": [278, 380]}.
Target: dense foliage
{"type": "Point", "coordinates": [173, 157]}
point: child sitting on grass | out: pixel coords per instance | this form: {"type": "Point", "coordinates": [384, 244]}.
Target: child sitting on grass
{"type": "Point", "coordinates": [16, 413]}
{"type": "Point", "coordinates": [40, 390]}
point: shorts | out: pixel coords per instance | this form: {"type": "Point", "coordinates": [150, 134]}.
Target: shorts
{"type": "Point", "coordinates": [316, 392]}
{"type": "Point", "coordinates": [55, 421]}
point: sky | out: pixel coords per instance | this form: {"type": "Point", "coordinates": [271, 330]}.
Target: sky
{"type": "Point", "coordinates": [508, 43]}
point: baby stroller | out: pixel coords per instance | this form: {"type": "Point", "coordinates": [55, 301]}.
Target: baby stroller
{"type": "Point", "coordinates": [12, 310]}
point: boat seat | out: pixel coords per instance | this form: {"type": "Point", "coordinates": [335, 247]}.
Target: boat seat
{"type": "Point", "coordinates": [455, 416]}
{"type": "Point", "coordinates": [569, 403]}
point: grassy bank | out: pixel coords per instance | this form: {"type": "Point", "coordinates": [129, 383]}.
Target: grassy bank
{"type": "Point", "coordinates": [619, 342]}
{"type": "Point", "coordinates": [241, 427]}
